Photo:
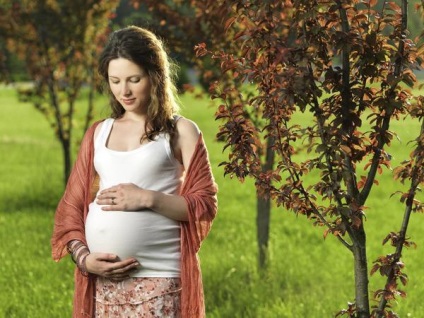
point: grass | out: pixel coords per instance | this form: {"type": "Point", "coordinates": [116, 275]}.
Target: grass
{"type": "Point", "coordinates": [307, 277]}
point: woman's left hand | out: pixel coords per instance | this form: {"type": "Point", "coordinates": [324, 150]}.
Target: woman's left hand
{"type": "Point", "coordinates": [123, 197]}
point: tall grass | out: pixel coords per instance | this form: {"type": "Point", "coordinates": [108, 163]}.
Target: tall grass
{"type": "Point", "coordinates": [307, 277]}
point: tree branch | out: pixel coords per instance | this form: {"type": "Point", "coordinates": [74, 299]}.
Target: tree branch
{"type": "Point", "coordinates": [51, 82]}
{"type": "Point", "coordinates": [415, 181]}
{"type": "Point", "coordinates": [389, 111]}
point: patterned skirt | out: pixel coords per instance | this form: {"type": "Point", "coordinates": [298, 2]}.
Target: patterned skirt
{"type": "Point", "coordinates": [147, 297]}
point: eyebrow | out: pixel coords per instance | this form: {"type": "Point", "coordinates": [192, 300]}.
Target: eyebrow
{"type": "Point", "coordinates": [135, 75]}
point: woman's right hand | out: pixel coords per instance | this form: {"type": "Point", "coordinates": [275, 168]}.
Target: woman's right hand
{"type": "Point", "coordinates": [110, 266]}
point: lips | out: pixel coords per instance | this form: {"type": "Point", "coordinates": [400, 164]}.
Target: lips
{"type": "Point", "coordinates": [128, 101]}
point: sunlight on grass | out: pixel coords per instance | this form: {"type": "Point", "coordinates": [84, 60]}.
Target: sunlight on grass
{"type": "Point", "coordinates": [307, 276]}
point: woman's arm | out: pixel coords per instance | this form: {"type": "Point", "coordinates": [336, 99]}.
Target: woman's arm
{"type": "Point", "coordinates": [129, 197]}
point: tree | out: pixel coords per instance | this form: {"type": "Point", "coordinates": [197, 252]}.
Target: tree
{"type": "Point", "coordinates": [58, 42]}
{"type": "Point", "coordinates": [349, 66]}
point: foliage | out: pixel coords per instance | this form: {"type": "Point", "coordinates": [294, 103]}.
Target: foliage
{"type": "Point", "coordinates": [58, 42]}
{"type": "Point", "coordinates": [350, 64]}
{"type": "Point", "coordinates": [184, 24]}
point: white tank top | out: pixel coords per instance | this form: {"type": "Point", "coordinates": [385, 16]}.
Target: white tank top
{"type": "Point", "coordinates": [146, 235]}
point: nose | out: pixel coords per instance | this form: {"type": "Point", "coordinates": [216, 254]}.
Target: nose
{"type": "Point", "coordinates": [125, 89]}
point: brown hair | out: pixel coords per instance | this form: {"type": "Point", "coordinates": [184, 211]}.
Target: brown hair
{"type": "Point", "coordinates": [143, 48]}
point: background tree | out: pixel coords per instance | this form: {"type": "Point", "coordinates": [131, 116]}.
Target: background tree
{"type": "Point", "coordinates": [183, 25]}
{"type": "Point", "coordinates": [58, 42]}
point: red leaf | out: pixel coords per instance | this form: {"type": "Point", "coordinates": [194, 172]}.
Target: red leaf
{"type": "Point", "coordinates": [229, 23]}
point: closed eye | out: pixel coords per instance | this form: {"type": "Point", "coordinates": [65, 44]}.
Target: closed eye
{"type": "Point", "coordinates": [135, 79]}
{"type": "Point", "coordinates": [132, 79]}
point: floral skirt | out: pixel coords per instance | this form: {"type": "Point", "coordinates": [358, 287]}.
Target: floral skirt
{"type": "Point", "coordinates": [148, 297]}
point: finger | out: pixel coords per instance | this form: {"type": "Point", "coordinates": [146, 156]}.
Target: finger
{"type": "Point", "coordinates": [119, 278]}
{"type": "Point", "coordinates": [110, 208]}
{"type": "Point", "coordinates": [107, 202]}
{"type": "Point", "coordinates": [119, 275]}
{"type": "Point", "coordinates": [123, 273]}
{"type": "Point", "coordinates": [107, 195]}
{"type": "Point", "coordinates": [125, 266]}
{"type": "Point", "coordinates": [131, 267]}
{"type": "Point", "coordinates": [108, 191]}
{"type": "Point", "coordinates": [110, 257]}
{"type": "Point", "coordinates": [113, 271]}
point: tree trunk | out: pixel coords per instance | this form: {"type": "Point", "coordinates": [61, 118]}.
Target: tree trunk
{"type": "Point", "coordinates": [263, 207]}
{"type": "Point", "coordinates": [361, 274]}
{"type": "Point", "coordinates": [263, 210]}
{"type": "Point", "coordinates": [66, 148]}
{"type": "Point", "coordinates": [91, 95]}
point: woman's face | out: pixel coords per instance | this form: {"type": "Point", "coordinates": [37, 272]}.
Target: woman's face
{"type": "Point", "coordinates": [130, 85]}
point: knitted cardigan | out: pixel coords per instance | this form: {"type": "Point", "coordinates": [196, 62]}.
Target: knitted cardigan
{"type": "Point", "coordinates": [198, 189]}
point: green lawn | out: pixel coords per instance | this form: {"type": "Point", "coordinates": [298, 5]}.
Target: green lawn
{"type": "Point", "coordinates": [308, 276]}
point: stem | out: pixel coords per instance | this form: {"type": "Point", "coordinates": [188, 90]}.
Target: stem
{"type": "Point", "coordinates": [264, 209]}
{"type": "Point", "coordinates": [91, 95]}
{"type": "Point", "coordinates": [357, 235]}
{"type": "Point", "coordinates": [386, 121]}
{"type": "Point", "coordinates": [361, 274]}
{"type": "Point", "coordinates": [399, 247]}
{"type": "Point", "coordinates": [321, 122]}
{"type": "Point", "coordinates": [415, 181]}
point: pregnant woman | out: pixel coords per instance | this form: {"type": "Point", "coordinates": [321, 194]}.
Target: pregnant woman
{"type": "Point", "coordinates": [141, 197]}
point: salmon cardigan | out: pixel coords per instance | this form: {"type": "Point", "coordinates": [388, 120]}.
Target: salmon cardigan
{"type": "Point", "coordinates": [198, 189]}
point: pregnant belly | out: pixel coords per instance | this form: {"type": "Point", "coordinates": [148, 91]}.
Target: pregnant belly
{"type": "Point", "coordinates": [144, 234]}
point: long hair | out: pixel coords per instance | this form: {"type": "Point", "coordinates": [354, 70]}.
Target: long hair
{"type": "Point", "coordinates": [143, 48]}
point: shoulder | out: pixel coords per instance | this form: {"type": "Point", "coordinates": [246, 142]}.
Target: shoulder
{"type": "Point", "coordinates": [187, 128]}
{"type": "Point", "coordinates": [95, 128]}
{"type": "Point", "coordinates": [187, 136]}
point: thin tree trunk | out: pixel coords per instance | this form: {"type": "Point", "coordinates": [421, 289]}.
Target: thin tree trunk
{"type": "Point", "coordinates": [66, 158]}
{"type": "Point", "coordinates": [262, 226]}
{"type": "Point", "coordinates": [391, 278]}
{"type": "Point", "coordinates": [263, 210]}
{"type": "Point", "coordinates": [91, 95]}
{"type": "Point", "coordinates": [54, 100]}
{"type": "Point", "coordinates": [358, 235]}
{"type": "Point", "coordinates": [415, 182]}
{"type": "Point", "coordinates": [361, 273]}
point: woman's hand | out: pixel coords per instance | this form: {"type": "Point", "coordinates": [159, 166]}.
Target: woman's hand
{"type": "Point", "coordinates": [124, 197]}
{"type": "Point", "coordinates": [110, 266]}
